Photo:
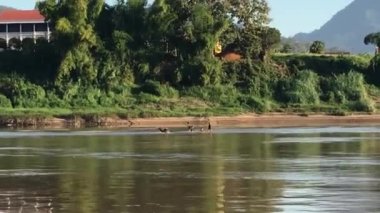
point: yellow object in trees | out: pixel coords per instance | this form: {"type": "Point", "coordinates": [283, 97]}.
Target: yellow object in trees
{"type": "Point", "coordinates": [218, 48]}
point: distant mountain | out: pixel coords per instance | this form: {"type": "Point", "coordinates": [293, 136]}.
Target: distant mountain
{"type": "Point", "coordinates": [5, 8]}
{"type": "Point", "coordinates": [347, 29]}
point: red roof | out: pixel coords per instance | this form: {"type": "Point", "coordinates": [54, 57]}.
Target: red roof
{"type": "Point", "coordinates": [21, 16]}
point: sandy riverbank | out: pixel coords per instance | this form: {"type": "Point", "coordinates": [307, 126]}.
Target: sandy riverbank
{"type": "Point", "coordinates": [247, 120]}
{"type": "Point", "coordinates": [254, 120]}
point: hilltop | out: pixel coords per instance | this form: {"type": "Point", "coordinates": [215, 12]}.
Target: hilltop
{"type": "Point", "coordinates": [5, 8]}
{"type": "Point", "coordinates": [346, 29]}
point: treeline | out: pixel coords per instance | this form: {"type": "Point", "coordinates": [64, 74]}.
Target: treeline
{"type": "Point", "coordinates": [170, 41]}
{"type": "Point", "coordinates": [162, 58]}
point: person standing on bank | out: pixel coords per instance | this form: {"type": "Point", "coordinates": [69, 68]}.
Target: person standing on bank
{"type": "Point", "coordinates": [209, 128]}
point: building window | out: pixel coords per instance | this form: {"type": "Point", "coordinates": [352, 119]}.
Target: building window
{"type": "Point", "coordinates": [3, 28]}
{"type": "Point", "coordinates": [41, 27]}
{"type": "Point", "coordinates": [13, 28]}
{"type": "Point", "coordinates": [27, 28]}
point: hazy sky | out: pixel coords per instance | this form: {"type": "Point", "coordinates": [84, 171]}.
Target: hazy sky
{"type": "Point", "coordinates": [294, 16]}
{"type": "Point", "coordinates": [290, 16]}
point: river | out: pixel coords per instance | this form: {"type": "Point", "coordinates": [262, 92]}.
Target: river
{"type": "Point", "coordinates": [324, 169]}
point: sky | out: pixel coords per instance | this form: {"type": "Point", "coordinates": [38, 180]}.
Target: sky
{"type": "Point", "coordinates": [289, 16]}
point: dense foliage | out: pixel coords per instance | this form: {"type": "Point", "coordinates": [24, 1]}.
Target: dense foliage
{"type": "Point", "coordinates": [372, 38]}
{"type": "Point", "coordinates": [160, 58]}
{"type": "Point", "coordinates": [317, 47]}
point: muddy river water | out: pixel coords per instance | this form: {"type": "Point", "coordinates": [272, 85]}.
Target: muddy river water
{"type": "Point", "coordinates": [324, 169]}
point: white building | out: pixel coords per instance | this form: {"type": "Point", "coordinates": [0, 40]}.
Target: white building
{"type": "Point", "coordinates": [23, 24]}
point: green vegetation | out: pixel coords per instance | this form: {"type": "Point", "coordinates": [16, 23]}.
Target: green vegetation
{"type": "Point", "coordinates": [317, 47]}
{"type": "Point", "coordinates": [372, 38]}
{"type": "Point", "coordinates": [325, 65]}
{"type": "Point", "coordinates": [132, 60]}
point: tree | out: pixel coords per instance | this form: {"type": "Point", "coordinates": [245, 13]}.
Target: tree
{"type": "Point", "coordinates": [14, 44]}
{"type": "Point", "coordinates": [317, 47]}
{"type": "Point", "coordinates": [130, 17]}
{"type": "Point", "coordinates": [286, 48]}
{"type": "Point", "coordinates": [373, 38]}
{"type": "Point", "coordinates": [269, 38]}
{"type": "Point", "coordinates": [74, 33]}
{"type": "Point", "coordinates": [27, 45]}
{"type": "Point", "coordinates": [170, 41]}
{"type": "Point", "coordinates": [293, 46]}
{"type": "Point", "coordinates": [252, 17]}
{"type": "Point", "coordinates": [200, 32]}
{"type": "Point", "coordinates": [160, 19]}
{"type": "Point", "coordinates": [3, 44]}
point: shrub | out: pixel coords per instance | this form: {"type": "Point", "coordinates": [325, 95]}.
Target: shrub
{"type": "Point", "coordinates": [69, 91]}
{"type": "Point", "coordinates": [226, 95]}
{"type": "Point", "coordinates": [344, 87]}
{"type": "Point", "coordinates": [145, 98]}
{"type": "Point", "coordinates": [107, 99]}
{"type": "Point", "coordinates": [5, 102]}
{"type": "Point", "coordinates": [362, 105]}
{"type": "Point", "coordinates": [349, 89]}
{"type": "Point", "coordinates": [338, 112]}
{"type": "Point", "coordinates": [324, 64]}
{"type": "Point", "coordinates": [255, 103]}
{"type": "Point", "coordinates": [317, 47]}
{"type": "Point", "coordinates": [54, 101]}
{"type": "Point", "coordinates": [125, 101]}
{"type": "Point", "coordinates": [30, 96]}
{"type": "Point", "coordinates": [87, 97]}
{"type": "Point", "coordinates": [21, 92]}
{"type": "Point", "coordinates": [303, 88]}
{"type": "Point", "coordinates": [257, 79]}
{"type": "Point", "coordinates": [157, 89]}
{"type": "Point", "coordinates": [262, 86]}
{"type": "Point", "coordinates": [123, 97]}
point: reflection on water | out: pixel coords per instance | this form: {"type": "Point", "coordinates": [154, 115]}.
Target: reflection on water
{"type": "Point", "coordinates": [332, 169]}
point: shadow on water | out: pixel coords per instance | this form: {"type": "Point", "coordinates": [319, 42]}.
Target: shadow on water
{"type": "Point", "coordinates": [330, 169]}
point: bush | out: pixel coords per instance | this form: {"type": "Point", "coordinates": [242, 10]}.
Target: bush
{"type": "Point", "coordinates": [344, 87]}
{"type": "Point", "coordinates": [157, 89]}
{"type": "Point", "coordinates": [348, 89]}
{"type": "Point", "coordinates": [54, 101]}
{"type": "Point", "coordinates": [226, 95]}
{"type": "Point", "coordinates": [338, 112]}
{"type": "Point", "coordinates": [257, 79]}
{"type": "Point", "coordinates": [303, 88]}
{"type": "Point", "coordinates": [5, 102]}
{"type": "Point", "coordinates": [352, 85]}
{"type": "Point", "coordinates": [362, 105]}
{"type": "Point", "coordinates": [145, 98]}
{"type": "Point", "coordinates": [325, 65]}
{"type": "Point", "coordinates": [262, 86]}
{"type": "Point", "coordinates": [125, 101]}
{"type": "Point", "coordinates": [87, 97]}
{"type": "Point", "coordinates": [255, 103]}
{"type": "Point", "coordinates": [107, 99]}
{"type": "Point", "coordinates": [21, 92]}
{"type": "Point", "coordinates": [30, 96]}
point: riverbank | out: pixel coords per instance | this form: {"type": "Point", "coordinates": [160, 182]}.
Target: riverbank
{"type": "Point", "coordinates": [256, 120]}
{"type": "Point", "coordinates": [244, 120]}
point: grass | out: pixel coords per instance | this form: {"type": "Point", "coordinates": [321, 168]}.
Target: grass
{"type": "Point", "coordinates": [179, 111]}
{"type": "Point", "coordinates": [143, 111]}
